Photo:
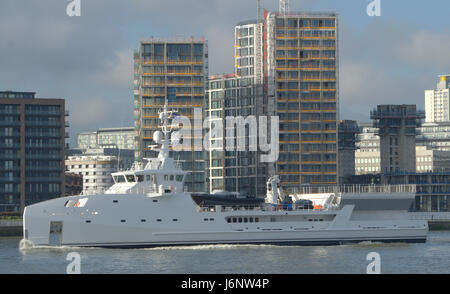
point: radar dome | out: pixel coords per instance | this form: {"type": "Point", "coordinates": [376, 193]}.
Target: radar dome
{"type": "Point", "coordinates": [157, 136]}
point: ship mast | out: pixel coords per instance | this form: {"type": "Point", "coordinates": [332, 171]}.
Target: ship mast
{"type": "Point", "coordinates": [164, 116]}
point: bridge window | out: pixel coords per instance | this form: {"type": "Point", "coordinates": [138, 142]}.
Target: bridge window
{"type": "Point", "coordinates": [131, 179]}
{"type": "Point", "coordinates": [140, 178]}
{"type": "Point", "coordinates": [172, 177]}
{"type": "Point", "coordinates": [179, 178]}
{"type": "Point", "coordinates": [119, 179]}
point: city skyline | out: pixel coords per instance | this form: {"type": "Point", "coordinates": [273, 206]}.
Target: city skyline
{"type": "Point", "coordinates": [382, 59]}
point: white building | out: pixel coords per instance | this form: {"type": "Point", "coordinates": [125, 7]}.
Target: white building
{"type": "Point", "coordinates": [96, 171]}
{"type": "Point", "coordinates": [437, 107]}
{"type": "Point", "coordinates": [432, 160]}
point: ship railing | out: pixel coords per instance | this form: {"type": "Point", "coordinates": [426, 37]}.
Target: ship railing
{"type": "Point", "coordinates": [355, 189]}
{"type": "Point", "coordinates": [133, 190]}
{"type": "Point", "coordinates": [222, 208]}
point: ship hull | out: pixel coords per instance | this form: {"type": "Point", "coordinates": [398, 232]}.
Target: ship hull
{"type": "Point", "coordinates": [133, 221]}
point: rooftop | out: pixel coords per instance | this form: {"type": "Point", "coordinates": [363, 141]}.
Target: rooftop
{"type": "Point", "coordinates": [177, 39]}
{"type": "Point", "coordinates": [17, 95]}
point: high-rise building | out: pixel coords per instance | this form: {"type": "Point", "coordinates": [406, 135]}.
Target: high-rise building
{"type": "Point", "coordinates": [239, 95]}
{"type": "Point", "coordinates": [232, 169]}
{"type": "Point", "coordinates": [32, 149]}
{"type": "Point", "coordinates": [397, 131]}
{"type": "Point", "coordinates": [301, 86]}
{"type": "Point", "coordinates": [437, 102]}
{"type": "Point", "coordinates": [172, 70]}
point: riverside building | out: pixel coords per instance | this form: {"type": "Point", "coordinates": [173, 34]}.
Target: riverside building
{"type": "Point", "coordinates": [301, 84]}
{"type": "Point", "coordinates": [32, 149]}
{"type": "Point", "coordinates": [172, 70]}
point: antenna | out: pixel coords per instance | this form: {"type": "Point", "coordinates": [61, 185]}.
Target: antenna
{"type": "Point", "coordinates": [285, 7]}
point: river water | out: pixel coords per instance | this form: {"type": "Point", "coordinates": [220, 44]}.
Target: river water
{"type": "Point", "coordinates": [430, 257]}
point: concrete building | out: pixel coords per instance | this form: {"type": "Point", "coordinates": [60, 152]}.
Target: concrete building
{"type": "Point", "coordinates": [437, 102]}
{"type": "Point", "coordinates": [32, 149]}
{"type": "Point", "coordinates": [432, 160]}
{"type": "Point", "coordinates": [95, 169]}
{"type": "Point", "coordinates": [121, 138]}
{"type": "Point", "coordinates": [367, 154]}
{"type": "Point", "coordinates": [397, 131]}
{"type": "Point", "coordinates": [301, 86]}
{"type": "Point", "coordinates": [348, 129]}
{"type": "Point", "coordinates": [172, 70]}
{"type": "Point", "coordinates": [434, 136]}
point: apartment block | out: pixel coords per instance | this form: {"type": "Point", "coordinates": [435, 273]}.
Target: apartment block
{"type": "Point", "coordinates": [301, 84]}
{"type": "Point", "coordinates": [172, 70]}
{"type": "Point", "coordinates": [232, 169]}
{"type": "Point", "coordinates": [32, 149]}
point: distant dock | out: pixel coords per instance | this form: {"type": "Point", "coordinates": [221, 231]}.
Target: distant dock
{"type": "Point", "coordinates": [436, 220]}
{"type": "Point", "coordinates": [11, 228]}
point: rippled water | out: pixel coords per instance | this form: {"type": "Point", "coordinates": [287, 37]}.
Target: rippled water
{"type": "Point", "coordinates": [431, 257]}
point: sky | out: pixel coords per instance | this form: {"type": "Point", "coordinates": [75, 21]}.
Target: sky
{"type": "Point", "coordinates": [88, 59]}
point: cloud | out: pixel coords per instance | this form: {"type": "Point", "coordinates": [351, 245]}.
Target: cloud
{"type": "Point", "coordinates": [117, 71]}
{"type": "Point", "coordinates": [88, 60]}
{"type": "Point", "coordinates": [425, 48]}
